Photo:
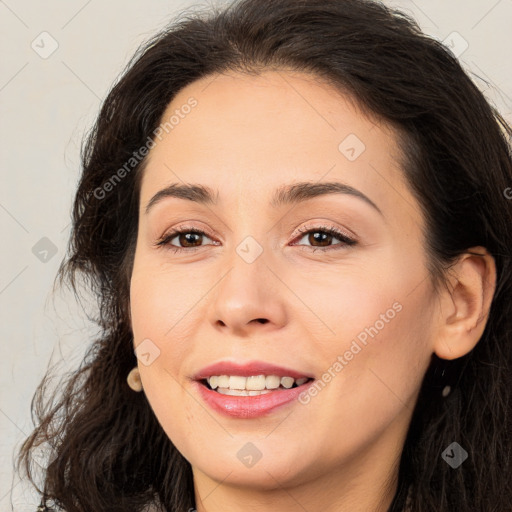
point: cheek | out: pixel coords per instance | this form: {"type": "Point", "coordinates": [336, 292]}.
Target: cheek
{"type": "Point", "coordinates": [156, 310]}
{"type": "Point", "coordinates": [375, 334]}
{"type": "Point", "coordinates": [371, 384]}
{"type": "Point", "coordinates": [395, 350]}
{"type": "Point", "coordinates": [163, 301]}
{"type": "Point", "coordinates": [354, 302]}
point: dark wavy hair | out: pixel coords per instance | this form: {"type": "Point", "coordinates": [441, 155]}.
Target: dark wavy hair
{"type": "Point", "coordinates": [109, 451]}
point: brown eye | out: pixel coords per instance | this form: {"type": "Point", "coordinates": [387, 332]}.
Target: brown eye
{"type": "Point", "coordinates": [323, 236]}
{"type": "Point", "coordinates": [319, 237]}
{"type": "Point", "coordinates": [187, 238]}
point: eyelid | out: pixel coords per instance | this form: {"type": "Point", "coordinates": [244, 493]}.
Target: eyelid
{"type": "Point", "coordinates": [346, 238]}
{"type": "Point", "coordinates": [182, 228]}
{"type": "Point", "coordinates": [327, 226]}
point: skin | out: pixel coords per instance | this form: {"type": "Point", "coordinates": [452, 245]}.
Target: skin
{"type": "Point", "coordinates": [247, 136]}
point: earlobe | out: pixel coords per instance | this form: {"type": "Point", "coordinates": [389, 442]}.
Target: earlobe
{"type": "Point", "coordinates": [465, 303]}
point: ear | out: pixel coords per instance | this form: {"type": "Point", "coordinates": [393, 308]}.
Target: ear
{"type": "Point", "coordinates": [465, 303]}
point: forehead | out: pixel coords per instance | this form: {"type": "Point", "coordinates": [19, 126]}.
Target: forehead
{"type": "Point", "coordinates": [250, 134]}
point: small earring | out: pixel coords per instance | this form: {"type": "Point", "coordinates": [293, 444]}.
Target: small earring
{"type": "Point", "coordinates": [446, 391]}
{"type": "Point", "coordinates": [447, 374]}
{"type": "Point", "coordinates": [133, 380]}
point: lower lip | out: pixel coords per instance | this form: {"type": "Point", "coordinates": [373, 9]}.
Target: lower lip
{"type": "Point", "coordinates": [249, 406]}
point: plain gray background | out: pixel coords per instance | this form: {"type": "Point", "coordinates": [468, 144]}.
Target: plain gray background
{"type": "Point", "coordinates": [59, 60]}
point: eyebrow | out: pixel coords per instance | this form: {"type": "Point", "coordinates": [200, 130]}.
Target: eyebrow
{"type": "Point", "coordinates": [285, 195]}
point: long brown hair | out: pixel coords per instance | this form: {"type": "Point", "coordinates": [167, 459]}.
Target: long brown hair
{"type": "Point", "coordinates": [110, 453]}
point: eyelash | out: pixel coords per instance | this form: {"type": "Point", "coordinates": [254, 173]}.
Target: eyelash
{"type": "Point", "coordinates": [346, 240]}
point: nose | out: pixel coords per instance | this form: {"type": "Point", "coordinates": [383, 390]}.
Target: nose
{"type": "Point", "coordinates": [248, 297]}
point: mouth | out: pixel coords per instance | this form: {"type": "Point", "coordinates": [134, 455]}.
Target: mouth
{"type": "Point", "coordinates": [254, 385]}
{"type": "Point", "coordinates": [250, 389]}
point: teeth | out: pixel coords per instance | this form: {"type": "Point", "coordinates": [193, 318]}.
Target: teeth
{"type": "Point", "coordinates": [236, 382]}
{"type": "Point", "coordinates": [243, 392]}
{"type": "Point", "coordinates": [223, 381]}
{"type": "Point", "coordinates": [272, 381]}
{"type": "Point", "coordinates": [287, 382]}
{"type": "Point", "coordinates": [255, 383]}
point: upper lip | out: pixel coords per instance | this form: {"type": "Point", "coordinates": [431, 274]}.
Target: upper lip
{"type": "Point", "coordinates": [247, 369]}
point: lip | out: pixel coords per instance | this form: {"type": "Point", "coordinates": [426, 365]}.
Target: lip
{"type": "Point", "coordinates": [247, 369]}
{"type": "Point", "coordinates": [247, 407]}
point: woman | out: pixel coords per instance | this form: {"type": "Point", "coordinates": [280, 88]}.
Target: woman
{"type": "Point", "coordinates": [342, 338]}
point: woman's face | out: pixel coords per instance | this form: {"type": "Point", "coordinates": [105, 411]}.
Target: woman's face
{"type": "Point", "coordinates": [264, 282]}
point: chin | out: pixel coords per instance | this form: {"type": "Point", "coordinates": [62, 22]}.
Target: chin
{"type": "Point", "coordinates": [265, 474]}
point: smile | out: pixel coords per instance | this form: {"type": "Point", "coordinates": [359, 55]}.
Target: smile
{"type": "Point", "coordinates": [250, 403]}
{"type": "Point", "coordinates": [236, 385]}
